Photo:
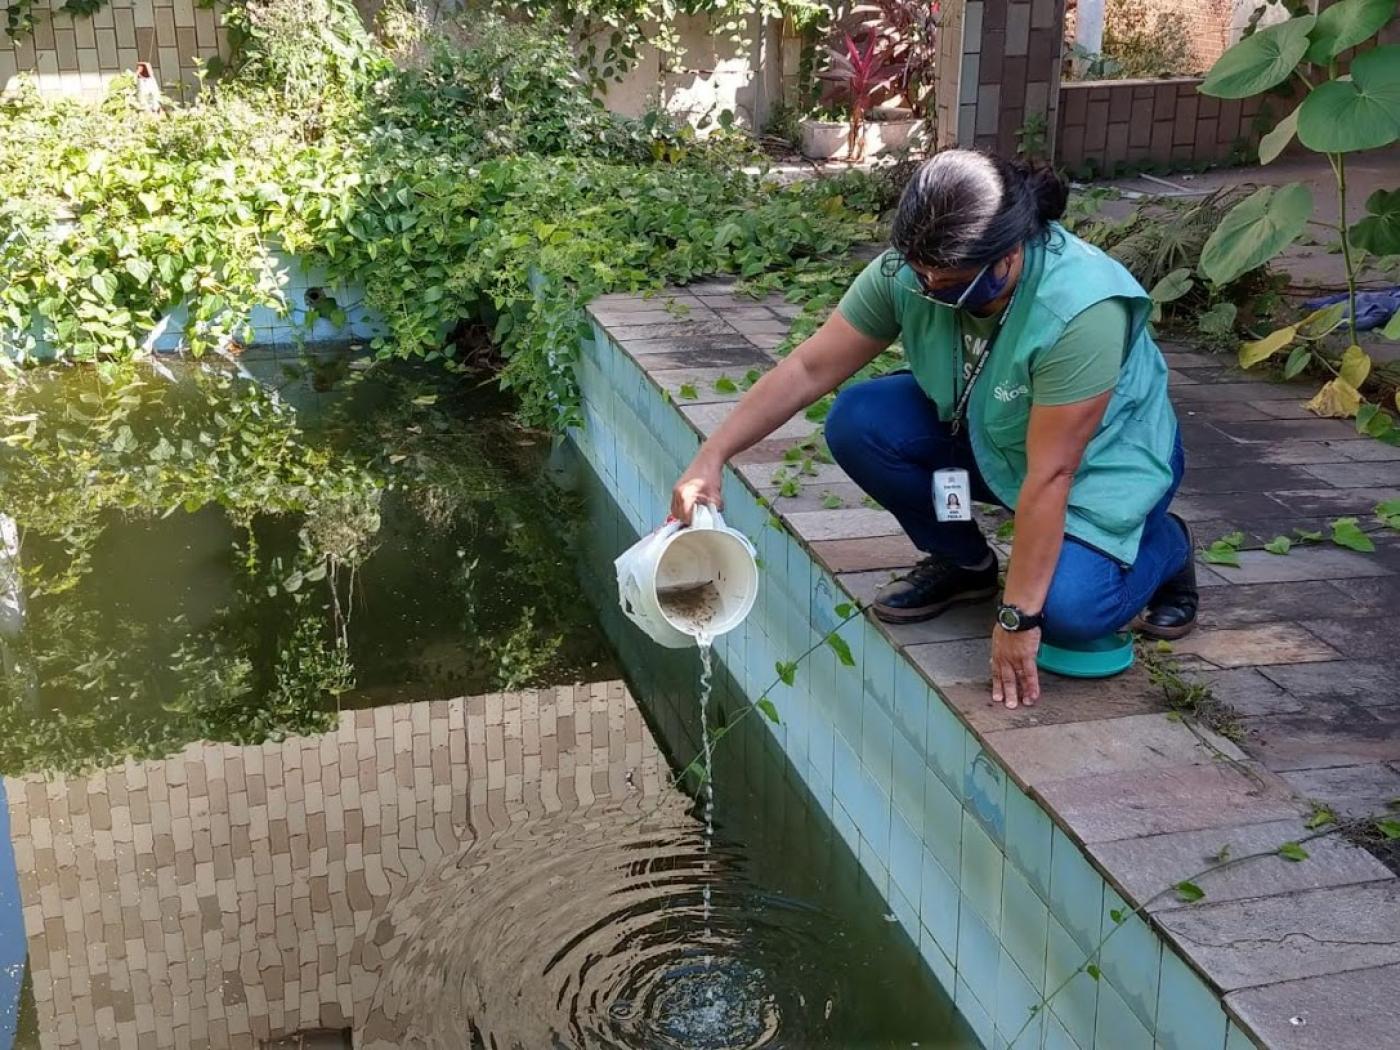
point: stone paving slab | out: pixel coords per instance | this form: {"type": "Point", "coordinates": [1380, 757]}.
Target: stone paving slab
{"type": "Point", "coordinates": [1301, 648]}
{"type": "Point", "coordinates": [1308, 1014]}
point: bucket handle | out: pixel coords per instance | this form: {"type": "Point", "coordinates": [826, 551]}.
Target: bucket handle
{"type": "Point", "coordinates": [704, 516]}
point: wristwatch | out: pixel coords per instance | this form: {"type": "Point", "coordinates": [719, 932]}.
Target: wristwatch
{"type": "Point", "coordinates": [1010, 618]}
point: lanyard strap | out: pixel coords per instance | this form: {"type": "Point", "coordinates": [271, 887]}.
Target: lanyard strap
{"type": "Point", "coordinates": [960, 409]}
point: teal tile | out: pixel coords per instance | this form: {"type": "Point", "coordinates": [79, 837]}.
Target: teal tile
{"type": "Point", "coordinates": [873, 863]}
{"type": "Point", "coordinates": [907, 787]}
{"type": "Point", "coordinates": [1189, 1016]}
{"type": "Point", "coordinates": [826, 595]}
{"type": "Point", "coordinates": [940, 965]}
{"type": "Point", "coordinates": [1131, 958]}
{"type": "Point", "coordinates": [1057, 1038]}
{"type": "Point", "coordinates": [978, 1017]}
{"type": "Point", "coordinates": [845, 826]}
{"type": "Point", "coordinates": [1236, 1039]}
{"type": "Point", "coordinates": [947, 740]}
{"type": "Point", "coordinates": [1076, 891]}
{"type": "Point", "coordinates": [904, 911]}
{"type": "Point", "coordinates": [1118, 1027]}
{"type": "Point", "coordinates": [939, 902]}
{"type": "Point", "coordinates": [1025, 924]}
{"type": "Point", "coordinates": [878, 668]}
{"type": "Point", "coordinates": [1018, 1007]}
{"type": "Point", "coordinates": [906, 858]}
{"type": "Point", "coordinates": [1073, 995]}
{"type": "Point", "coordinates": [850, 692]}
{"type": "Point", "coordinates": [979, 953]}
{"type": "Point", "coordinates": [980, 875]}
{"type": "Point", "coordinates": [821, 744]}
{"type": "Point", "coordinates": [877, 743]}
{"type": "Point", "coordinates": [911, 699]}
{"type": "Point", "coordinates": [1028, 836]}
{"type": "Point", "coordinates": [984, 791]}
{"type": "Point", "coordinates": [870, 807]}
{"type": "Point", "coordinates": [942, 822]}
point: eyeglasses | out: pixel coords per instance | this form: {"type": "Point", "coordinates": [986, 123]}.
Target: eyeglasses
{"type": "Point", "coordinates": [940, 295]}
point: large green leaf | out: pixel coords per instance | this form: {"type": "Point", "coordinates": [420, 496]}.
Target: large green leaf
{"type": "Point", "coordinates": [1341, 116]}
{"type": "Point", "coordinates": [1255, 230]}
{"type": "Point", "coordinates": [1260, 61]}
{"type": "Point", "coordinates": [1379, 232]}
{"type": "Point", "coordinates": [1345, 25]}
{"type": "Point", "coordinates": [1274, 143]}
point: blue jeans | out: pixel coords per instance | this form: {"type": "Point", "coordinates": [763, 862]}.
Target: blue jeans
{"type": "Point", "coordinates": [887, 436]}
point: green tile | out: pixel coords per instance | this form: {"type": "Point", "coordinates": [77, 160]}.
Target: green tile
{"type": "Point", "coordinates": [939, 903]}
{"type": "Point", "coordinates": [1056, 1037]}
{"type": "Point", "coordinates": [979, 1018]}
{"type": "Point", "coordinates": [1025, 924]}
{"type": "Point", "coordinates": [940, 965]}
{"type": "Point", "coordinates": [984, 791]}
{"type": "Point", "coordinates": [877, 669]}
{"type": "Point", "coordinates": [980, 877]}
{"type": "Point", "coordinates": [907, 787]}
{"type": "Point", "coordinates": [1189, 1016]}
{"type": "Point", "coordinates": [877, 744]}
{"type": "Point", "coordinates": [1118, 1027]}
{"type": "Point", "coordinates": [979, 954]}
{"type": "Point", "coordinates": [911, 701]}
{"type": "Point", "coordinates": [1236, 1039]}
{"type": "Point", "coordinates": [906, 857]}
{"type": "Point", "coordinates": [1131, 958]}
{"type": "Point", "coordinates": [1028, 836]}
{"type": "Point", "coordinates": [1018, 1006]}
{"type": "Point", "coordinates": [1073, 994]}
{"type": "Point", "coordinates": [947, 744]}
{"type": "Point", "coordinates": [1076, 891]}
{"type": "Point", "coordinates": [872, 862]}
{"type": "Point", "coordinates": [942, 822]}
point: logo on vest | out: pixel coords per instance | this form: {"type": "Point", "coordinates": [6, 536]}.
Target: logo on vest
{"type": "Point", "coordinates": [1005, 395]}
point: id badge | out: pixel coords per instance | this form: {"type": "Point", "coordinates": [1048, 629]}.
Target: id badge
{"type": "Point", "coordinates": [952, 495]}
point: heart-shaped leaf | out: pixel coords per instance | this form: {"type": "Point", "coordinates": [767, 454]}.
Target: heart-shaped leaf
{"type": "Point", "coordinates": [1320, 322]}
{"type": "Point", "coordinates": [1356, 366]}
{"type": "Point", "coordinates": [1263, 349]}
{"type": "Point", "coordinates": [1297, 361]}
{"type": "Point", "coordinates": [1345, 25]}
{"type": "Point", "coordinates": [1346, 533]}
{"type": "Point", "coordinates": [1255, 230]}
{"type": "Point", "coordinates": [1219, 319]}
{"type": "Point", "coordinates": [769, 709]}
{"type": "Point", "coordinates": [1341, 116]}
{"type": "Point", "coordinates": [1292, 851]}
{"type": "Point", "coordinates": [1259, 61]}
{"type": "Point", "coordinates": [1189, 891]}
{"type": "Point", "coordinates": [1276, 141]}
{"type": "Point", "coordinates": [1379, 232]}
{"type": "Point", "coordinates": [1279, 545]}
{"type": "Point", "coordinates": [1172, 287]}
{"type": "Point", "coordinates": [1337, 399]}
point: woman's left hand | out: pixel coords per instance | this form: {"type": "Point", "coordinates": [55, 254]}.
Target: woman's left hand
{"type": "Point", "coordinates": [1015, 680]}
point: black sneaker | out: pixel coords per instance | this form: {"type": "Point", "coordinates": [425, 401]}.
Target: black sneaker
{"type": "Point", "coordinates": [1171, 614]}
{"type": "Point", "coordinates": [932, 587]}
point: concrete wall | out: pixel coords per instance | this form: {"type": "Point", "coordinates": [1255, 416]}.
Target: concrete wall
{"type": "Point", "coordinates": [71, 55]}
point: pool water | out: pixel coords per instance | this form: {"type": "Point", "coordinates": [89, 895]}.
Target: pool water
{"type": "Point", "coordinates": [608, 919]}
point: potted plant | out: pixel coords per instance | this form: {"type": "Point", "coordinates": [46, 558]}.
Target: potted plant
{"type": "Point", "coordinates": [885, 54]}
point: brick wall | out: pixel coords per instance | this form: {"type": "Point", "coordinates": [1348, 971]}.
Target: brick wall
{"type": "Point", "coordinates": [1125, 124]}
{"type": "Point", "coordinates": [78, 55]}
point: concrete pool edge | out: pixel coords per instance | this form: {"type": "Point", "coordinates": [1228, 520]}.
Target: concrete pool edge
{"type": "Point", "coordinates": [973, 829]}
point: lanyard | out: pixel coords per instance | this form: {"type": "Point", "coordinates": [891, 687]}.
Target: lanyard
{"type": "Point", "coordinates": [960, 409]}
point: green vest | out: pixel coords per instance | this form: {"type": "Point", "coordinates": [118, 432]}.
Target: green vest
{"type": "Point", "coordinates": [1126, 469]}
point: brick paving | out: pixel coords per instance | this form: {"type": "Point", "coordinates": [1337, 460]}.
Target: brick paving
{"type": "Point", "coordinates": [222, 897]}
{"type": "Point", "coordinates": [1301, 648]}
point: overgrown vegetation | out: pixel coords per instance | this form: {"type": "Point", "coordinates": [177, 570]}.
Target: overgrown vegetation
{"type": "Point", "coordinates": [482, 184]}
{"type": "Point", "coordinates": [1341, 113]}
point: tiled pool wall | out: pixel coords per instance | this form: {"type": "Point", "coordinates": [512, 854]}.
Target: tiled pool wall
{"type": "Point", "coordinates": [1003, 904]}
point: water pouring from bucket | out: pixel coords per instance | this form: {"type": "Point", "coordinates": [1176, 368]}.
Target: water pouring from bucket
{"type": "Point", "coordinates": [684, 585]}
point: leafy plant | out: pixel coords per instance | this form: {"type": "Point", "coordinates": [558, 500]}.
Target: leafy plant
{"type": "Point", "coordinates": [861, 74]}
{"type": "Point", "coordinates": [1340, 114]}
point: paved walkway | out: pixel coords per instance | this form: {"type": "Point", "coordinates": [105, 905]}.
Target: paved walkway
{"type": "Point", "coordinates": [1302, 649]}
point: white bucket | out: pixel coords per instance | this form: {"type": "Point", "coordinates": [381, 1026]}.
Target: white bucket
{"type": "Point", "coordinates": [684, 585]}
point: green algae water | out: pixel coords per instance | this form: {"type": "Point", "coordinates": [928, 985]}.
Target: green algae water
{"type": "Point", "coordinates": [203, 560]}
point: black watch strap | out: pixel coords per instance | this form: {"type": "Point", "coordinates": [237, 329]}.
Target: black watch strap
{"type": "Point", "coordinates": [1013, 619]}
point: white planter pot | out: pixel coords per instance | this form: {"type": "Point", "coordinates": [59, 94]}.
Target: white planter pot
{"type": "Point", "coordinates": [828, 139]}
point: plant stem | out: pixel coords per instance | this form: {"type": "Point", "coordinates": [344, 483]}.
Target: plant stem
{"type": "Point", "coordinates": [1339, 168]}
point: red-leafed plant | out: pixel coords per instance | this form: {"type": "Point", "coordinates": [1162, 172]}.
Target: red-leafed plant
{"type": "Point", "coordinates": [885, 50]}
{"type": "Point", "coordinates": [860, 77]}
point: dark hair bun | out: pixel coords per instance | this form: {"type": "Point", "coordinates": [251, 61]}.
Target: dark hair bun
{"type": "Point", "coordinates": [1051, 192]}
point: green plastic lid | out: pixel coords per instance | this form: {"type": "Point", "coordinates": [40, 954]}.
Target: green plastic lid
{"type": "Point", "coordinates": [1102, 658]}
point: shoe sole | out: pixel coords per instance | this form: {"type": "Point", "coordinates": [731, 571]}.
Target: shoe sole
{"type": "Point", "coordinates": [905, 616]}
{"type": "Point", "coordinates": [1161, 634]}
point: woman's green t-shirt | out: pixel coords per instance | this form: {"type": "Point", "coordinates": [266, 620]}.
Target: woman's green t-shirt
{"type": "Point", "coordinates": [1082, 364]}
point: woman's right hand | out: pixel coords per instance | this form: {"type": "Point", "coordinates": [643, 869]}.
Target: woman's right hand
{"type": "Point", "coordinates": [701, 483]}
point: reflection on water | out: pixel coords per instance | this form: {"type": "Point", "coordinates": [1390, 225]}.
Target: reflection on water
{"type": "Point", "coordinates": [197, 558]}
{"type": "Point", "coordinates": [510, 871]}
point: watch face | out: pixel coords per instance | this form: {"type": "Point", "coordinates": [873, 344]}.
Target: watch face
{"type": "Point", "coordinates": [1009, 618]}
